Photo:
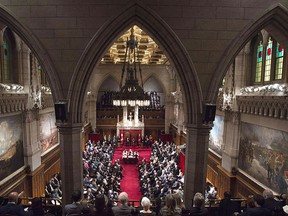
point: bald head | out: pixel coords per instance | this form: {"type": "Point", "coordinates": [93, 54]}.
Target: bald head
{"type": "Point", "coordinates": [13, 197]}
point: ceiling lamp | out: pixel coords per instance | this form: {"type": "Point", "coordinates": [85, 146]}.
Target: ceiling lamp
{"type": "Point", "coordinates": [131, 93]}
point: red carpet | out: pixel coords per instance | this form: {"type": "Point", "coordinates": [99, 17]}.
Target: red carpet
{"type": "Point", "coordinates": [130, 181]}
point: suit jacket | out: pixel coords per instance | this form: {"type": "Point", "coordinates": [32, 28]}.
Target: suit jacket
{"type": "Point", "coordinates": [73, 208]}
{"type": "Point", "coordinates": [13, 209]}
{"type": "Point", "coordinates": [273, 205]}
{"type": "Point", "coordinates": [257, 211]}
{"type": "Point", "coordinates": [199, 211]}
{"type": "Point", "coordinates": [227, 207]}
{"type": "Point", "coordinates": [122, 210]}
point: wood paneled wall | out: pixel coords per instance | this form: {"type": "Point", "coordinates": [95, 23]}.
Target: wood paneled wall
{"type": "Point", "coordinates": [15, 182]}
{"type": "Point", "coordinates": [35, 179]}
{"type": "Point", "coordinates": [51, 163]}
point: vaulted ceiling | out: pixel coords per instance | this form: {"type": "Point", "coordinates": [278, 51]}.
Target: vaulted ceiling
{"type": "Point", "coordinates": [148, 51]}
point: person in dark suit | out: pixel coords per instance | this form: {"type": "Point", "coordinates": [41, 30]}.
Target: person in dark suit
{"type": "Point", "coordinates": [198, 203]}
{"type": "Point", "coordinates": [123, 209]}
{"type": "Point", "coordinates": [270, 203]}
{"type": "Point", "coordinates": [227, 207]}
{"type": "Point", "coordinates": [12, 207]}
{"type": "Point", "coordinates": [36, 208]}
{"type": "Point", "coordinates": [258, 210]}
{"type": "Point", "coordinates": [75, 207]}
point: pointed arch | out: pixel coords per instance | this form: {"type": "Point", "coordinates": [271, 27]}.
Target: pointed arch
{"type": "Point", "coordinates": [110, 78]}
{"type": "Point", "coordinates": [159, 82]}
{"type": "Point", "coordinates": [7, 18]}
{"type": "Point", "coordinates": [273, 21]}
{"type": "Point", "coordinates": [150, 22]}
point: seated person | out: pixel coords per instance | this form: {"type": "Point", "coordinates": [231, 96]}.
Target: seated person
{"type": "Point", "coordinates": [124, 154]}
{"type": "Point", "coordinates": [12, 207]}
{"type": "Point", "coordinates": [136, 154]}
{"type": "Point", "coordinates": [130, 154]}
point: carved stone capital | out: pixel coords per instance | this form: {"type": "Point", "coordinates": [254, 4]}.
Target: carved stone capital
{"type": "Point", "coordinates": [30, 115]}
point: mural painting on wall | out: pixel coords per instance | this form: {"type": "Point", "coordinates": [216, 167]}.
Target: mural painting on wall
{"type": "Point", "coordinates": [48, 131]}
{"type": "Point", "coordinates": [216, 135]}
{"type": "Point", "coordinates": [263, 154]}
{"type": "Point", "coordinates": [11, 145]}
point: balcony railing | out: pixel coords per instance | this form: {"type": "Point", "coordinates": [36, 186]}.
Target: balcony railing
{"type": "Point", "coordinates": [12, 102]}
{"type": "Point", "coordinates": [269, 106]}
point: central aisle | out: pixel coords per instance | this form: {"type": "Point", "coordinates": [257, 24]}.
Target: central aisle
{"type": "Point", "coordinates": [130, 181]}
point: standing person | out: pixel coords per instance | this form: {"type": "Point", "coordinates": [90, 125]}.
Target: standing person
{"type": "Point", "coordinates": [75, 207]}
{"type": "Point", "coordinates": [258, 210]}
{"type": "Point", "coordinates": [198, 205]}
{"type": "Point", "coordinates": [100, 207]}
{"type": "Point", "coordinates": [170, 207]}
{"type": "Point", "coordinates": [36, 208]}
{"type": "Point", "coordinates": [146, 204]}
{"type": "Point", "coordinates": [270, 203]}
{"type": "Point", "coordinates": [123, 209]}
{"type": "Point", "coordinates": [12, 207]}
{"type": "Point", "coordinates": [227, 207]}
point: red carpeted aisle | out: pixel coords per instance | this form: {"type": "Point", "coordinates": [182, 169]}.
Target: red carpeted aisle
{"type": "Point", "coordinates": [130, 181]}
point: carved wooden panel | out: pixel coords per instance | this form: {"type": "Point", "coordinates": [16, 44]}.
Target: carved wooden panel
{"type": "Point", "coordinates": [17, 183]}
{"type": "Point", "coordinates": [246, 186]}
{"type": "Point", "coordinates": [51, 163]}
{"type": "Point", "coordinates": [36, 180]}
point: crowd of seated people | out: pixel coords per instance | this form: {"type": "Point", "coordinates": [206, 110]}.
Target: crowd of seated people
{"type": "Point", "coordinates": [161, 175]}
{"type": "Point", "coordinates": [100, 175]}
{"type": "Point", "coordinates": [53, 190]}
{"type": "Point", "coordinates": [130, 156]}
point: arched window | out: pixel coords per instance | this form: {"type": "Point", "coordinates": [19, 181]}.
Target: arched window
{"type": "Point", "coordinates": [269, 61]}
{"type": "Point", "coordinates": [279, 62]}
{"type": "Point", "coordinates": [259, 59]}
{"type": "Point", "coordinates": [7, 60]}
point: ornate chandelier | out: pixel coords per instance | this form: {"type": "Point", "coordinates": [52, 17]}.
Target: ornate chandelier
{"type": "Point", "coordinates": [131, 93]}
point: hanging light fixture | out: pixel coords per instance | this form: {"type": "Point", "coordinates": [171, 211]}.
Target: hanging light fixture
{"type": "Point", "coordinates": [131, 93]}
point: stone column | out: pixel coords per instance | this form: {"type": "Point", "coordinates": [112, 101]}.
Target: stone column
{"type": "Point", "coordinates": [91, 103]}
{"type": "Point", "coordinates": [26, 76]}
{"type": "Point", "coordinates": [169, 113]}
{"type": "Point", "coordinates": [231, 140]}
{"type": "Point", "coordinates": [70, 159]}
{"type": "Point", "coordinates": [32, 147]}
{"type": "Point", "coordinates": [196, 156]}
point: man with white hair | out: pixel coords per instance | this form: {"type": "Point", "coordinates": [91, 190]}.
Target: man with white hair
{"type": "Point", "coordinates": [270, 203]}
{"type": "Point", "coordinates": [123, 208]}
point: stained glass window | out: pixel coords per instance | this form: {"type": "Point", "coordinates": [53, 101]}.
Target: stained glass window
{"type": "Point", "coordinates": [268, 59]}
{"type": "Point", "coordinates": [259, 57]}
{"type": "Point", "coordinates": [279, 61]}
{"type": "Point", "coordinates": [6, 61]}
